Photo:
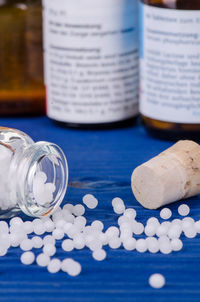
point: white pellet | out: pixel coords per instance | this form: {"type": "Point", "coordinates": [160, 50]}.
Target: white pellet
{"type": "Point", "coordinates": [37, 242]}
{"type": "Point", "coordinates": [176, 245]}
{"type": "Point", "coordinates": [165, 248]}
{"type": "Point", "coordinates": [161, 230]}
{"type": "Point", "coordinates": [43, 260]}
{"type": "Point", "coordinates": [117, 201]}
{"type": "Point", "coordinates": [39, 228]}
{"type": "Point", "coordinates": [138, 228]}
{"type": "Point", "coordinates": [49, 225]}
{"type": "Point", "coordinates": [98, 225]}
{"type": "Point", "coordinates": [26, 245]}
{"type": "Point", "coordinates": [153, 220]}
{"type": "Point", "coordinates": [197, 226]}
{"type": "Point", "coordinates": [152, 245]}
{"type": "Point", "coordinates": [49, 249]}
{"type": "Point", "coordinates": [190, 232]}
{"type": "Point", "coordinates": [183, 210]}
{"type": "Point", "coordinates": [130, 213]}
{"type": "Point", "coordinates": [49, 239]}
{"type": "Point", "coordinates": [59, 224]}
{"type": "Point", "coordinates": [165, 213]}
{"type": "Point", "coordinates": [112, 232]}
{"type": "Point", "coordinates": [122, 219]}
{"type": "Point", "coordinates": [114, 243]}
{"type": "Point", "coordinates": [80, 222]}
{"type": "Point", "coordinates": [95, 244]}
{"type": "Point", "coordinates": [157, 281]}
{"type": "Point", "coordinates": [79, 241]}
{"type": "Point", "coordinates": [3, 251]}
{"type": "Point", "coordinates": [129, 244]}
{"type": "Point", "coordinates": [54, 266]}
{"type": "Point", "coordinates": [58, 234]}
{"type": "Point", "coordinates": [119, 209]}
{"type": "Point", "coordinates": [68, 207]}
{"type": "Point", "coordinates": [99, 255]}
{"type": "Point", "coordinates": [17, 221]}
{"type": "Point", "coordinates": [67, 245]}
{"type": "Point", "coordinates": [27, 258]}
{"type": "Point", "coordinates": [150, 230]}
{"type": "Point", "coordinates": [141, 245]}
{"type": "Point", "coordinates": [28, 227]}
{"type": "Point", "coordinates": [90, 201]}
{"type": "Point", "coordinates": [174, 231]}
{"type": "Point", "coordinates": [74, 268]}
{"type": "Point", "coordinates": [78, 210]}
{"type": "Point", "coordinates": [72, 231]}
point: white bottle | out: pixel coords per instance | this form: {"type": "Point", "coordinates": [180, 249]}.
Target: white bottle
{"type": "Point", "coordinates": [91, 61]}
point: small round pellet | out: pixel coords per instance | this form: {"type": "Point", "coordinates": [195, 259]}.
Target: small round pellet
{"type": "Point", "coordinates": [153, 220]}
{"type": "Point", "coordinates": [117, 201]}
{"type": "Point", "coordinates": [67, 245]}
{"type": "Point", "coordinates": [78, 210]}
{"type": "Point", "coordinates": [54, 266]}
{"type": "Point", "coordinates": [49, 239]}
{"type": "Point", "coordinates": [97, 225]}
{"type": "Point", "coordinates": [43, 260]}
{"type": "Point", "coordinates": [58, 234]}
{"type": "Point", "coordinates": [129, 244]}
{"type": "Point", "coordinates": [99, 255]}
{"type": "Point", "coordinates": [74, 269]}
{"type": "Point", "coordinates": [95, 244]}
{"type": "Point", "coordinates": [26, 245]}
{"type": "Point", "coordinates": [183, 210]}
{"type": "Point", "coordinates": [138, 228]}
{"type": "Point", "coordinates": [90, 201]}
{"type": "Point", "coordinates": [141, 245]}
{"type": "Point", "coordinates": [27, 258]}
{"type": "Point", "coordinates": [130, 213]}
{"type": "Point", "coordinates": [157, 281]}
{"type": "Point", "coordinates": [37, 242]}
{"type": "Point", "coordinates": [165, 213]}
{"type": "Point", "coordinates": [3, 250]}
{"type": "Point", "coordinates": [152, 245]}
{"type": "Point", "coordinates": [49, 249]}
{"type": "Point", "coordinates": [79, 241]}
{"type": "Point", "coordinates": [176, 245]}
{"type": "Point", "coordinates": [28, 227]}
{"type": "Point", "coordinates": [119, 209]}
{"type": "Point", "coordinates": [49, 225]}
{"type": "Point", "coordinates": [150, 230]}
{"type": "Point", "coordinates": [190, 232]}
{"type": "Point", "coordinates": [114, 243]}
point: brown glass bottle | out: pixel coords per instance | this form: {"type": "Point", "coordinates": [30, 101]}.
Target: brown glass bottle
{"type": "Point", "coordinates": [167, 127]}
{"type": "Point", "coordinates": [21, 58]}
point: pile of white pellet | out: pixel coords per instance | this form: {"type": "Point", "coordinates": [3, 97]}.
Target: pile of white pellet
{"type": "Point", "coordinates": [69, 225]}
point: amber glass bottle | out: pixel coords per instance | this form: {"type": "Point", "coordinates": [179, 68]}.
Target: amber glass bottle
{"type": "Point", "coordinates": [170, 67]}
{"type": "Point", "coordinates": [21, 58]}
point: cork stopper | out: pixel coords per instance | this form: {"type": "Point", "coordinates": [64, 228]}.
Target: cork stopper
{"type": "Point", "coordinates": [172, 175]}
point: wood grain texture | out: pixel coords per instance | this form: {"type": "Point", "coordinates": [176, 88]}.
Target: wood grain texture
{"type": "Point", "coordinates": [101, 162]}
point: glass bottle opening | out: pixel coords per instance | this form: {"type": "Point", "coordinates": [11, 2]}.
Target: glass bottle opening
{"type": "Point", "coordinates": [42, 178]}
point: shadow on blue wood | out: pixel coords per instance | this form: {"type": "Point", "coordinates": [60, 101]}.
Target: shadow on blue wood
{"type": "Point", "coordinates": [101, 162]}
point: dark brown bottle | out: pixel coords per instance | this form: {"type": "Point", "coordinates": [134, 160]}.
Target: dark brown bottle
{"type": "Point", "coordinates": [21, 58]}
{"type": "Point", "coordinates": [170, 67]}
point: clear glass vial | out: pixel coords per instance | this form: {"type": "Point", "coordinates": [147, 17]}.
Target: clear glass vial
{"type": "Point", "coordinates": [21, 159]}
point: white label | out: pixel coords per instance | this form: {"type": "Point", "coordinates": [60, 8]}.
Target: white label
{"type": "Point", "coordinates": [91, 60]}
{"type": "Point", "coordinates": [170, 64]}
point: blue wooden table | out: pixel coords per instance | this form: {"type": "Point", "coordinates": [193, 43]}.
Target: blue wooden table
{"type": "Point", "coordinates": [101, 162]}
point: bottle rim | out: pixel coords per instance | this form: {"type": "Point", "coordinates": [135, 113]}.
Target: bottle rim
{"type": "Point", "coordinates": [38, 157]}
